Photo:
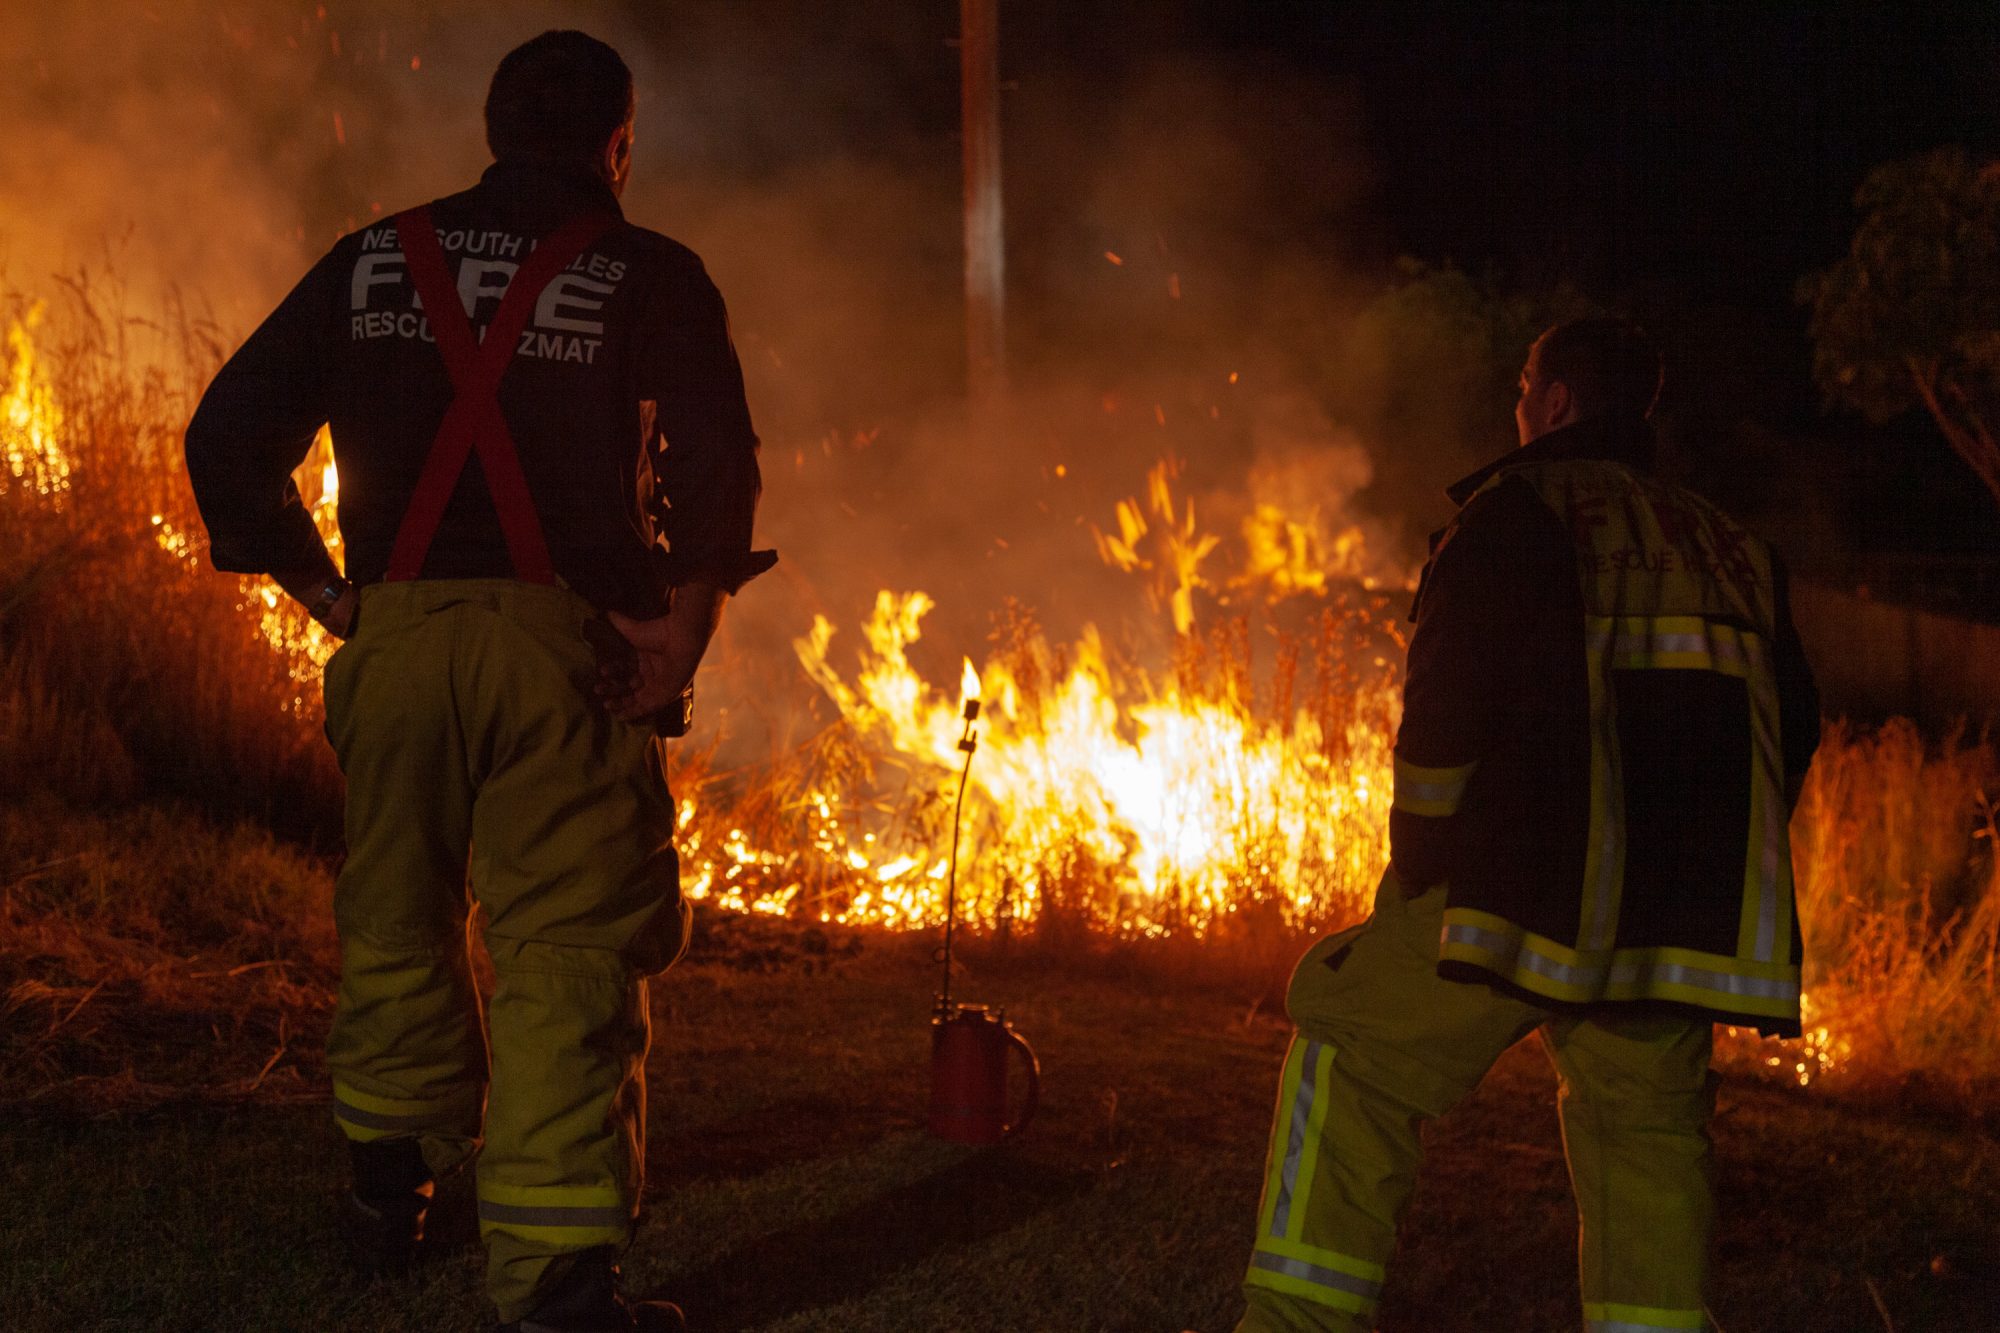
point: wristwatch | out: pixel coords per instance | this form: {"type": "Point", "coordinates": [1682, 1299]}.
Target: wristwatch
{"type": "Point", "coordinates": [329, 597]}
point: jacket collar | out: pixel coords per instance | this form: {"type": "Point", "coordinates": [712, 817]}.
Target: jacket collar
{"type": "Point", "coordinates": [1619, 439]}
{"type": "Point", "coordinates": [558, 188]}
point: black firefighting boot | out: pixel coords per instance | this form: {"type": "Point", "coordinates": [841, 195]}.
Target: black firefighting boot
{"type": "Point", "coordinates": [385, 1211]}
{"type": "Point", "coordinates": [586, 1299]}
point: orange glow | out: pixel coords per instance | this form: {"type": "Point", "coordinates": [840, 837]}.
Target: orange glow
{"type": "Point", "coordinates": [30, 420]}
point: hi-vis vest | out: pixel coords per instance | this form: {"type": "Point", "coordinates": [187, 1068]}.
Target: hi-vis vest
{"type": "Point", "coordinates": [1686, 894]}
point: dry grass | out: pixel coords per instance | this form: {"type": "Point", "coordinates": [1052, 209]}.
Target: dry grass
{"type": "Point", "coordinates": [126, 669]}
{"type": "Point", "coordinates": [149, 958]}
{"type": "Point", "coordinates": [1899, 897]}
{"type": "Point", "coordinates": [131, 674]}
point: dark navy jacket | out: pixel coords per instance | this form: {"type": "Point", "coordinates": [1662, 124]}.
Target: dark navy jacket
{"type": "Point", "coordinates": [624, 398]}
{"type": "Point", "coordinates": [1497, 730]}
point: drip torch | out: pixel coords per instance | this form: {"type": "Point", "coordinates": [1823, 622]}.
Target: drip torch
{"type": "Point", "coordinates": [970, 1042]}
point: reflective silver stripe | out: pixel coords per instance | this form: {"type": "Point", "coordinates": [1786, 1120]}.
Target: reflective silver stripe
{"type": "Point", "coordinates": [1523, 955]}
{"type": "Point", "coordinates": [1433, 793]}
{"type": "Point", "coordinates": [1722, 649]}
{"type": "Point", "coordinates": [1295, 1143]}
{"type": "Point", "coordinates": [1776, 832]}
{"type": "Point", "coordinates": [1702, 978]}
{"type": "Point", "coordinates": [1610, 863]}
{"type": "Point", "coordinates": [1330, 1278]}
{"type": "Point", "coordinates": [1430, 791]}
{"type": "Point", "coordinates": [1607, 798]}
{"type": "Point", "coordinates": [354, 1115]}
{"type": "Point", "coordinates": [552, 1216]}
{"type": "Point", "coordinates": [1770, 799]}
{"type": "Point", "coordinates": [1518, 953]}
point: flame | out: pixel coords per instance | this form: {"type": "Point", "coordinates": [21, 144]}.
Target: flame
{"type": "Point", "coordinates": [1177, 551]}
{"type": "Point", "coordinates": [296, 638]}
{"type": "Point", "coordinates": [1141, 799]}
{"type": "Point", "coordinates": [30, 420]}
{"type": "Point", "coordinates": [1145, 799]}
{"type": "Point", "coordinates": [1184, 805]}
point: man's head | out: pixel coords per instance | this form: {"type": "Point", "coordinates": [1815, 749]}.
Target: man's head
{"type": "Point", "coordinates": [563, 97]}
{"type": "Point", "coordinates": [1599, 367]}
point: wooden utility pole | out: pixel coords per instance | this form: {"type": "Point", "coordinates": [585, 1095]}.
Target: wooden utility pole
{"type": "Point", "coordinates": [985, 237]}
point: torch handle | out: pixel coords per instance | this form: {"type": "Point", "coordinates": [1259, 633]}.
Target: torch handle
{"type": "Point", "coordinates": [968, 743]}
{"type": "Point", "coordinates": [1034, 1097]}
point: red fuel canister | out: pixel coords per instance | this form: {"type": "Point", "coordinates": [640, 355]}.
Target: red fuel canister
{"type": "Point", "coordinates": [969, 1050]}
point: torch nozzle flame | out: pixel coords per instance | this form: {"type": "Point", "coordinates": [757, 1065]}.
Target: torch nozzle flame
{"type": "Point", "coordinates": [969, 691]}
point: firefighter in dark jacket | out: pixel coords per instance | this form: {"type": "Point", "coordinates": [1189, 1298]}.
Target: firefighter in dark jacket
{"type": "Point", "coordinates": [517, 382]}
{"type": "Point", "coordinates": [1606, 723]}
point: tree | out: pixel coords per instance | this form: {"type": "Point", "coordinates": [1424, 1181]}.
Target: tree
{"type": "Point", "coordinates": [1912, 315]}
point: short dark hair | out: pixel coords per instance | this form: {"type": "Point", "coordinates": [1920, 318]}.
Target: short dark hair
{"type": "Point", "coordinates": [1611, 367]}
{"type": "Point", "coordinates": [559, 95]}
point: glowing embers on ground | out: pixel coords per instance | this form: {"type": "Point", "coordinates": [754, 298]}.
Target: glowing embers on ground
{"type": "Point", "coordinates": [1821, 1051]}
{"type": "Point", "coordinates": [30, 420]}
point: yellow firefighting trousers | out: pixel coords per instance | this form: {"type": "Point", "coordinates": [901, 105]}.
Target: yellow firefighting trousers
{"type": "Point", "coordinates": [1384, 1044]}
{"type": "Point", "coordinates": [461, 715]}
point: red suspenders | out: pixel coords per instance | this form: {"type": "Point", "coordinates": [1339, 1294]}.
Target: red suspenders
{"type": "Point", "coordinates": [474, 419]}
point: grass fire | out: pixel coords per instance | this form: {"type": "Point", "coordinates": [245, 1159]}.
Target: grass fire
{"type": "Point", "coordinates": [1091, 636]}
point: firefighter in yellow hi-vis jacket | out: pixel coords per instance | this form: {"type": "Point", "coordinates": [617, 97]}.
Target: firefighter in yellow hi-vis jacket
{"type": "Point", "coordinates": [548, 477]}
{"type": "Point", "coordinates": [1607, 719]}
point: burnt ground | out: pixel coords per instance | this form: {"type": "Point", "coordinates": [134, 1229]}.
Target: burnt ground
{"type": "Point", "coordinates": [793, 1187]}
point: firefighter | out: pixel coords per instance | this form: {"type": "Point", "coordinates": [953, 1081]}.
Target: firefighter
{"type": "Point", "coordinates": [1607, 719]}
{"type": "Point", "coordinates": [517, 381]}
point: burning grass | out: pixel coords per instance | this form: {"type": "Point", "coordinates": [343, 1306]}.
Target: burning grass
{"type": "Point", "coordinates": [127, 668]}
{"type": "Point", "coordinates": [1206, 805]}
{"type": "Point", "coordinates": [1899, 894]}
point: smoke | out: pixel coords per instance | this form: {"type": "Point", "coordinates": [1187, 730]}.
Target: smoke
{"type": "Point", "coordinates": [1189, 248]}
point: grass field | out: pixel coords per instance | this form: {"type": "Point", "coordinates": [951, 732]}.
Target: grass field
{"type": "Point", "coordinates": [185, 1181]}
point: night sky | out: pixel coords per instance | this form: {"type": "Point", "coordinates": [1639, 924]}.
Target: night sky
{"type": "Point", "coordinates": [1687, 162]}
{"type": "Point", "coordinates": [1708, 149]}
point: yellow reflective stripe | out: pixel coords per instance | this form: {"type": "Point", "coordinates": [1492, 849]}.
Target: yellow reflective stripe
{"type": "Point", "coordinates": [1295, 1097]}
{"type": "Point", "coordinates": [1604, 851]}
{"type": "Point", "coordinates": [564, 1214]}
{"type": "Point", "coordinates": [566, 1196]}
{"type": "Point", "coordinates": [364, 1117]}
{"type": "Point", "coordinates": [1690, 976]}
{"type": "Point", "coordinates": [1279, 1156]}
{"type": "Point", "coordinates": [365, 1133]}
{"type": "Point", "coordinates": [1609, 1318]}
{"type": "Point", "coordinates": [1681, 643]}
{"type": "Point", "coordinates": [1434, 792]}
{"type": "Point", "coordinates": [566, 1237]}
{"type": "Point", "coordinates": [1352, 1265]}
{"type": "Point", "coordinates": [1320, 1283]}
{"type": "Point", "coordinates": [348, 1095]}
{"type": "Point", "coordinates": [1764, 932]}
{"type": "Point", "coordinates": [1321, 1061]}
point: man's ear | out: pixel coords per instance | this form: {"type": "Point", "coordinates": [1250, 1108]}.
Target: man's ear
{"type": "Point", "coordinates": [1561, 404]}
{"type": "Point", "coordinates": [618, 155]}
